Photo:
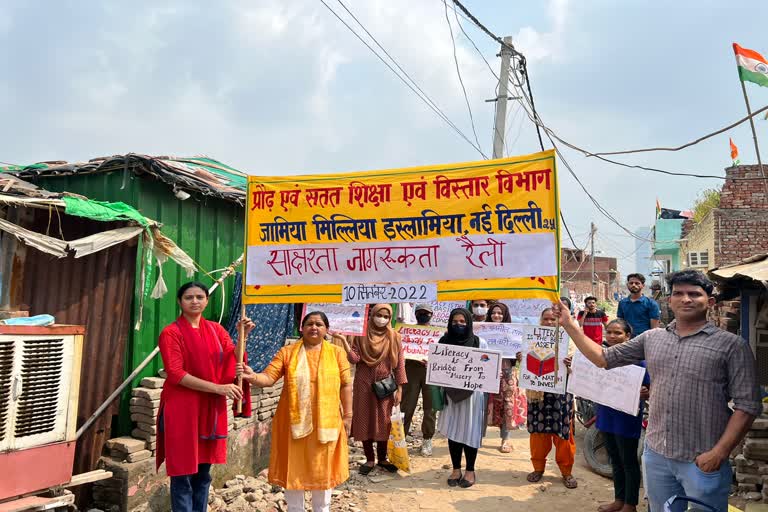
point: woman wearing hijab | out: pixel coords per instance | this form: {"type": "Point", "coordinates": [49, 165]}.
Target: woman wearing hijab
{"type": "Point", "coordinates": [309, 432]}
{"type": "Point", "coordinates": [377, 357]}
{"type": "Point", "coordinates": [199, 357]}
{"type": "Point", "coordinates": [550, 422]}
{"type": "Point", "coordinates": [508, 409]}
{"type": "Point", "coordinates": [463, 418]}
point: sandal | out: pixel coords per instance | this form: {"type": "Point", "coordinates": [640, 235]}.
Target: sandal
{"type": "Point", "coordinates": [570, 482]}
{"type": "Point", "coordinates": [365, 469]}
{"type": "Point", "coordinates": [454, 482]}
{"type": "Point", "coordinates": [466, 484]}
{"type": "Point", "coordinates": [535, 476]}
{"type": "Point", "coordinates": [505, 448]}
{"type": "Point", "coordinates": [388, 466]}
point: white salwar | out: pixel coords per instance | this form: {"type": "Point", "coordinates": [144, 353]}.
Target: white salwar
{"type": "Point", "coordinates": [321, 501]}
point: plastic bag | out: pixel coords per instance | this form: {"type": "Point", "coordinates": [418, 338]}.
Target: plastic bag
{"type": "Point", "coordinates": [438, 397]}
{"type": "Point", "coordinates": [397, 448]}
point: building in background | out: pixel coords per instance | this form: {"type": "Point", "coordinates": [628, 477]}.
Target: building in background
{"type": "Point", "coordinates": [735, 230]}
{"type": "Point", "coordinates": [576, 266]}
{"type": "Point", "coordinates": [667, 234]}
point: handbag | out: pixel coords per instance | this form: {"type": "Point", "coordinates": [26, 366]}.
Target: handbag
{"type": "Point", "coordinates": [385, 387]}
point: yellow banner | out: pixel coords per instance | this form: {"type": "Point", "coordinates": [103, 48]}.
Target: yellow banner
{"type": "Point", "coordinates": [474, 230]}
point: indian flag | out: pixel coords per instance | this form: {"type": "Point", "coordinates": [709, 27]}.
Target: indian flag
{"type": "Point", "coordinates": [752, 66]}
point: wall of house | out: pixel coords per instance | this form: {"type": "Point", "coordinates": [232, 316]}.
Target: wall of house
{"type": "Point", "coordinates": [701, 238]}
{"type": "Point", "coordinates": [741, 221]}
{"type": "Point", "coordinates": [209, 230]}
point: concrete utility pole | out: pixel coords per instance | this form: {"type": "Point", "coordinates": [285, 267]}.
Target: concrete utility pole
{"type": "Point", "coordinates": [501, 100]}
{"type": "Point", "coordinates": [592, 231]}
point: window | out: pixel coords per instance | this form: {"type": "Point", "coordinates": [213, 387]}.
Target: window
{"type": "Point", "coordinates": [698, 259]}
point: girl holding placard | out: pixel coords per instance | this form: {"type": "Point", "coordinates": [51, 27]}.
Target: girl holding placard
{"type": "Point", "coordinates": [550, 421]}
{"type": "Point", "coordinates": [622, 435]}
{"type": "Point", "coordinates": [508, 409]}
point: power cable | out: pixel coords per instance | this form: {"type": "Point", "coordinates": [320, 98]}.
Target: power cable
{"type": "Point", "coordinates": [567, 230]}
{"type": "Point", "coordinates": [688, 144]}
{"type": "Point", "coordinates": [421, 94]}
{"type": "Point", "coordinates": [458, 74]}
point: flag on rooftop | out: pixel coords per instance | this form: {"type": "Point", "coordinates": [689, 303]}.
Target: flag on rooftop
{"type": "Point", "coordinates": [734, 152]}
{"type": "Point", "coordinates": [752, 66]}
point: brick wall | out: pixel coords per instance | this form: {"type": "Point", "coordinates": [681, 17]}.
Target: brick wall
{"type": "Point", "coordinates": [741, 222]}
{"type": "Point", "coordinates": [576, 268]}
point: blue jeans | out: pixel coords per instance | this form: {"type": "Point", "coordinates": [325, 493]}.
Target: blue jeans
{"type": "Point", "coordinates": [189, 493]}
{"type": "Point", "coordinates": [665, 478]}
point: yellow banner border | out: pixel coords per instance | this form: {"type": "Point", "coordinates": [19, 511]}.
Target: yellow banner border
{"type": "Point", "coordinates": [550, 155]}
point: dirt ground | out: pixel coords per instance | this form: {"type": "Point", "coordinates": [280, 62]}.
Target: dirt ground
{"type": "Point", "coordinates": [501, 483]}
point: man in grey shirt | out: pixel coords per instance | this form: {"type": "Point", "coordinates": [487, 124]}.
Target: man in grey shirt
{"type": "Point", "coordinates": [696, 369]}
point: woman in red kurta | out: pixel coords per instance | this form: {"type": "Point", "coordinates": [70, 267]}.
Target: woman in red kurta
{"type": "Point", "coordinates": [199, 358]}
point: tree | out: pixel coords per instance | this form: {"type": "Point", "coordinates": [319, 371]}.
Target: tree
{"type": "Point", "coordinates": [707, 201]}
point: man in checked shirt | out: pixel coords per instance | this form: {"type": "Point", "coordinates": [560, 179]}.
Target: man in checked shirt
{"type": "Point", "coordinates": [696, 369]}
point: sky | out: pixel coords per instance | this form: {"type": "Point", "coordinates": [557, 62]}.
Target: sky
{"type": "Point", "coordinates": [276, 87]}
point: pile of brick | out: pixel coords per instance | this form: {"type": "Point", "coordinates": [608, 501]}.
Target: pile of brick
{"type": "Point", "coordinates": [751, 464]}
{"type": "Point", "coordinates": [728, 315]}
{"type": "Point", "coordinates": [264, 401]}
{"type": "Point", "coordinates": [145, 403]}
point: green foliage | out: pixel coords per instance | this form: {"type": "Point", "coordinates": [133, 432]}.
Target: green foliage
{"type": "Point", "coordinates": [705, 203]}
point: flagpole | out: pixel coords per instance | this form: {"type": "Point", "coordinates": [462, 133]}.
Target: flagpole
{"type": "Point", "coordinates": [754, 137]}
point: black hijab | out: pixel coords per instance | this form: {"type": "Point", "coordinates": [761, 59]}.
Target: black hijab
{"type": "Point", "coordinates": [467, 339]}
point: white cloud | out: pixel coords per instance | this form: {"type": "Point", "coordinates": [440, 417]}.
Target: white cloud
{"type": "Point", "coordinates": [538, 45]}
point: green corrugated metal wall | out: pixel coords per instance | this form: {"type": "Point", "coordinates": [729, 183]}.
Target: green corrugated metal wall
{"type": "Point", "coordinates": [211, 232]}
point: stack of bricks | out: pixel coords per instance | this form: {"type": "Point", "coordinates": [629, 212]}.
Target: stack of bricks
{"type": "Point", "coordinates": [145, 403]}
{"type": "Point", "coordinates": [752, 463]}
{"type": "Point", "coordinates": [128, 449]}
{"type": "Point", "coordinates": [728, 315]}
{"type": "Point", "coordinates": [264, 401]}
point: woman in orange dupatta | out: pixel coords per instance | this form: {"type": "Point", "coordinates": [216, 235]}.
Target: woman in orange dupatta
{"type": "Point", "coordinates": [309, 431]}
{"type": "Point", "coordinates": [198, 356]}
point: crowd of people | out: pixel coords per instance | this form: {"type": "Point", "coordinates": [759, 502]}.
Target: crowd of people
{"type": "Point", "coordinates": [337, 388]}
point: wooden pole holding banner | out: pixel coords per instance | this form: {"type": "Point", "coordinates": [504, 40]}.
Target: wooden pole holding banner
{"type": "Point", "coordinates": [754, 137]}
{"type": "Point", "coordinates": [240, 351]}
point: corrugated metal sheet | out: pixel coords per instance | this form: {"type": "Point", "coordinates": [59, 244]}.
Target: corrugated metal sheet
{"type": "Point", "coordinates": [210, 231]}
{"type": "Point", "coordinates": [755, 268]}
{"type": "Point", "coordinates": [95, 291]}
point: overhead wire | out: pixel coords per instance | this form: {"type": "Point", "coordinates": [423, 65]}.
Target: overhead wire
{"type": "Point", "coordinates": [415, 88]}
{"type": "Point", "coordinates": [458, 74]}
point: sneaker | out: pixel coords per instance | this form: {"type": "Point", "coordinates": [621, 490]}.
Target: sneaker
{"type": "Point", "coordinates": [426, 448]}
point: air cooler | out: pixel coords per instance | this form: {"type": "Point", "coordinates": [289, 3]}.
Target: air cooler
{"type": "Point", "coordinates": [39, 387]}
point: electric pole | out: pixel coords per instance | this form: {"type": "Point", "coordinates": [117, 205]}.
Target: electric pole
{"type": "Point", "coordinates": [592, 231]}
{"type": "Point", "coordinates": [500, 127]}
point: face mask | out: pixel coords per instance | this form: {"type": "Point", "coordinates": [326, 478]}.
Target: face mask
{"type": "Point", "coordinates": [380, 322]}
{"type": "Point", "coordinates": [480, 311]}
{"type": "Point", "coordinates": [423, 318]}
{"type": "Point", "coordinates": [460, 329]}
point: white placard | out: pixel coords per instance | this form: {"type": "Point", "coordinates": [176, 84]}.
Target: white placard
{"type": "Point", "coordinates": [442, 310]}
{"type": "Point", "coordinates": [618, 388]}
{"type": "Point", "coordinates": [344, 319]}
{"type": "Point", "coordinates": [473, 369]}
{"type": "Point", "coordinates": [389, 293]}
{"type": "Point", "coordinates": [506, 338]}
{"type": "Point", "coordinates": [526, 311]}
{"type": "Point", "coordinates": [537, 369]}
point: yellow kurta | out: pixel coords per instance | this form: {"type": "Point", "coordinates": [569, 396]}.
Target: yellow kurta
{"type": "Point", "coordinates": [306, 463]}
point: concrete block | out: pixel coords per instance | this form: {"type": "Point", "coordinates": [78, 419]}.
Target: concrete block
{"type": "Point", "coordinates": [146, 411]}
{"type": "Point", "coordinates": [143, 402]}
{"type": "Point", "coordinates": [139, 456]}
{"type": "Point", "coordinates": [125, 444]}
{"type": "Point", "coordinates": [756, 448]}
{"type": "Point", "coordinates": [141, 434]}
{"type": "Point", "coordinates": [742, 487]}
{"type": "Point", "coordinates": [149, 394]}
{"type": "Point", "coordinates": [152, 382]}
{"type": "Point", "coordinates": [143, 418]}
{"type": "Point", "coordinates": [146, 427]}
{"type": "Point", "coordinates": [746, 478]}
